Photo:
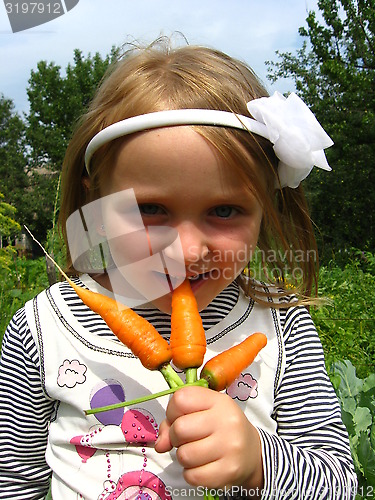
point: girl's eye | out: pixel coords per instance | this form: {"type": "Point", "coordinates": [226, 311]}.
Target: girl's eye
{"type": "Point", "coordinates": [225, 212]}
{"type": "Point", "coordinates": [150, 209]}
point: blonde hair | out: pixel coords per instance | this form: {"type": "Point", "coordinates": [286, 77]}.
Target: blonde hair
{"type": "Point", "coordinates": [160, 77]}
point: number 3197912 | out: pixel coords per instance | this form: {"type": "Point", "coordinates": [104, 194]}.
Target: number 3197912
{"type": "Point", "coordinates": [34, 8]}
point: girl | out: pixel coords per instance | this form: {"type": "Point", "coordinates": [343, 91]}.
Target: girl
{"type": "Point", "coordinates": [192, 137]}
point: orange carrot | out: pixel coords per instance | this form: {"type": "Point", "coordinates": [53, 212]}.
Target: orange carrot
{"type": "Point", "coordinates": [188, 340]}
{"type": "Point", "coordinates": [223, 369]}
{"type": "Point", "coordinates": [134, 331]}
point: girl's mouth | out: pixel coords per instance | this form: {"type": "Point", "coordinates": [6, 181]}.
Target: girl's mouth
{"type": "Point", "coordinates": [196, 280]}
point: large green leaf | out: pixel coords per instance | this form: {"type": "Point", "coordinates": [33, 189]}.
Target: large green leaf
{"type": "Point", "coordinates": [366, 455]}
{"type": "Point", "coordinates": [350, 384]}
{"type": "Point", "coordinates": [369, 383]}
{"type": "Point", "coordinates": [362, 420]}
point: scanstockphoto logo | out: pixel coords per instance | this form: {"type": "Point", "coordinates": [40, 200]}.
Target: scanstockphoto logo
{"type": "Point", "coordinates": [23, 15]}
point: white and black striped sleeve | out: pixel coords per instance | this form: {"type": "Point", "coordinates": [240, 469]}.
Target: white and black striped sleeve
{"type": "Point", "coordinates": [25, 412]}
{"type": "Point", "coordinates": [310, 455]}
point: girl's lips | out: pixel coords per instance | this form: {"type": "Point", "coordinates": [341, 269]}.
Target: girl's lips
{"type": "Point", "coordinates": [196, 280]}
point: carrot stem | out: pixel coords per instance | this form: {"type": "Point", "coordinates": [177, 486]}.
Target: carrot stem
{"type": "Point", "coordinates": [172, 378]}
{"type": "Point", "coordinates": [191, 375]}
{"type": "Point", "coordinates": [149, 397]}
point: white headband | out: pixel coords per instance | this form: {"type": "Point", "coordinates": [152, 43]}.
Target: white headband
{"type": "Point", "coordinates": [297, 137]}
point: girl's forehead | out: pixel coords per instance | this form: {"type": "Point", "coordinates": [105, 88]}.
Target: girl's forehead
{"type": "Point", "coordinates": [179, 147]}
{"type": "Point", "coordinates": [171, 137]}
{"type": "Point", "coordinates": [171, 158]}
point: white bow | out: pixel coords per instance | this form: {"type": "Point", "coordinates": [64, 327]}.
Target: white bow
{"type": "Point", "coordinates": [298, 138]}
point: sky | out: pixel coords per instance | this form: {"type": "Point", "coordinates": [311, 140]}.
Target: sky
{"type": "Point", "coordinates": [250, 30]}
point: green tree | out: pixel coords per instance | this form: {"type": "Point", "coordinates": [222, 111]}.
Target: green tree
{"type": "Point", "coordinates": [57, 99]}
{"type": "Point", "coordinates": [8, 225]}
{"type": "Point", "coordinates": [334, 72]}
{"type": "Point", "coordinates": [9, 228]}
{"type": "Point", "coordinates": [14, 181]}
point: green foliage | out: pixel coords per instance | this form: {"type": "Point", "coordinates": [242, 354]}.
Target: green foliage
{"type": "Point", "coordinates": [21, 280]}
{"type": "Point", "coordinates": [57, 99]}
{"type": "Point", "coordinates": [6, 257]}
{"type": "Point", "coordinates": [366, 260]}
{"type": "Point", "coordinates": [334, 74]}
{"type": "Point", "coordinates": [357, 400]}
{"type": "Point", "coordinates": [14, 181]}
{"type": "Point", "coordinates": [27, 189]}
{"type": "Point", "coordinates": [8, 226]}
{"type": "Point", "coordinates": [56, 248]}
{"type": "Point", "coordinates": [346, 323]}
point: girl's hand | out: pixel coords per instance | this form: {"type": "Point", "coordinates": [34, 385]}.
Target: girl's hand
{"type": "Point", "coordinates": [216, 444]}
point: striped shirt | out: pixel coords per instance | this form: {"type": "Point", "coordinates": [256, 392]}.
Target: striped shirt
{"type": "Point", "coordinates": [308, 458]}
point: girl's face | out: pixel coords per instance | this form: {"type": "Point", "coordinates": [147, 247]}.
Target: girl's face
{"type": "Point", "coordinates": [180, 182]}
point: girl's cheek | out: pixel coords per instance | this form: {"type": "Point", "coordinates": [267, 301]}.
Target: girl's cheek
{"type": "Point", "coordinates": [237, 252]}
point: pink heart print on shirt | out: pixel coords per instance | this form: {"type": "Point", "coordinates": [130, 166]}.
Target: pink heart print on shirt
{"type": "Point", "coordinates": [139, 427]}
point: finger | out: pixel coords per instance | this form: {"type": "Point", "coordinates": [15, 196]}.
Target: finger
{"type": "Point", "coordinates": [197, 453]}
{"type": "Point", "coordinates": [163, 442]}
{"type": "Point", "coordinates": [190, 427]}
{"type": "Point", "coordinates": [212, 475]}
{"type": "Point", "coordinates": [189, 400]}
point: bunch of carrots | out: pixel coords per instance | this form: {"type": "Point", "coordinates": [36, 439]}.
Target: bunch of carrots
{"type": "Point", "coordinates": [187, 345]}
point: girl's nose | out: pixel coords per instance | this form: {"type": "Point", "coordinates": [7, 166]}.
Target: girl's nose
{"type": "Point", "coordinates": [194, 242]}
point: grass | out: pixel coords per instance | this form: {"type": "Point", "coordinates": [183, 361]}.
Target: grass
{"type": "Point", "coordinates": [346, 324]}
{"type": "Point", "coordinates": [21, 279]}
